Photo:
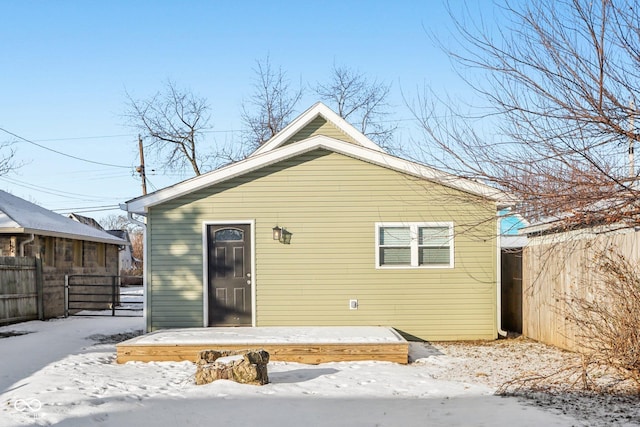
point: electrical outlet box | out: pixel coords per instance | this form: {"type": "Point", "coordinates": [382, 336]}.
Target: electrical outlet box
{"type": "Point", "coordinates": [353, 304]}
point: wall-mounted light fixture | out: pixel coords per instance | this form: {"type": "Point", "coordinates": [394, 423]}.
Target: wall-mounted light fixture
{"type": "Point", "coordinates": [277, 233]}
{"type": "Point", "coordinates": [286, 237]}
{"type": "Point", "coordinates": [281, 235]}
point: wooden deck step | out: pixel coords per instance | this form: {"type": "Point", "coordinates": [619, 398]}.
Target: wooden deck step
{"type": "Point", "coordinates": [322, 346]}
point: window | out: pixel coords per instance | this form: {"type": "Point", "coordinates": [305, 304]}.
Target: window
{"type": "Point", "coordinates": [78, 253]}
{"type": "Point", "coordinates": [101, 257]}
{"type": "Point", "coordinates": [228, 235]}
{"type": "Point", "coordinates": [49, 251]}
{"type": "Point", "coordinates": [409, 245]}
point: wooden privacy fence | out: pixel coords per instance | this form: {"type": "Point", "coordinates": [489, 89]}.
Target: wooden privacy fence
{"type": "Point", "coordinates": [561, 265]}
{"type": "Point", "coordinates": [20, 289]}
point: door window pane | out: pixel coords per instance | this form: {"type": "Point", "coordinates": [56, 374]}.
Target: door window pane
{"type": "Point", "coordinates": [229, 235]}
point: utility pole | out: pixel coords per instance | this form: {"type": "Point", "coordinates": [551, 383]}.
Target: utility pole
{"type": "Point", "coordinates": [140, 169]}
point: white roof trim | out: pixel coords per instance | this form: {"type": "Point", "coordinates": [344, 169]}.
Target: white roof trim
{"type": "Point", "coordinates": [141, 204]}
{"type": "Point", "coordinates": [64, 235]}
{"type": "Point", "coordinates": [318, 109]}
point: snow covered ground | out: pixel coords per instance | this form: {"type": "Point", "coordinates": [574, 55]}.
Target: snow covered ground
{"type": "Point", "coordinates": [63, 372]}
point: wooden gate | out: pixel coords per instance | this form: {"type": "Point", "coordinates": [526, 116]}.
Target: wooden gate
{"type": "Point", "coordinates": [20, 289]}
{"type": "Point", "coordinates": [93, 294]}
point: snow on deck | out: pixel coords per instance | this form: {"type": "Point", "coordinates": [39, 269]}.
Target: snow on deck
{"type": "Point", "coordinates": [272, 335]}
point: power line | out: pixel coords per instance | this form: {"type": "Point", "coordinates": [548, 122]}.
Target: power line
{"type": "Point", "coordinates": [131, 135]}
{"type": "Point", "coordinates": [61, 153]}
{"type": "Point", "coordinates": [52, 191]}
{"type": "Point", "coordinates": [88, 209]}
{"type": "Point", "coordinates": [75, 138]}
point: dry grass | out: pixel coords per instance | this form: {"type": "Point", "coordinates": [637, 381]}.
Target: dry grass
{"type": "Point", "coordinates": [539, 374]}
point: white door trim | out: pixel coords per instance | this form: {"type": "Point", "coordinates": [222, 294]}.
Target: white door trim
{"type": "Point", "coordinates": [205, 266]}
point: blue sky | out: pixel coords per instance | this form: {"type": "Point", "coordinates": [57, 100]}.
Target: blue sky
{"type": "Point", "coordinates": [65, 67]}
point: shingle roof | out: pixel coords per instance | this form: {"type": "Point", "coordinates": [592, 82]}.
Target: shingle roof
{"type": "Point", "coordinates": [20, 216]}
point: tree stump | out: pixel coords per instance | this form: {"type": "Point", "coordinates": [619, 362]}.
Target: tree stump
{"type": "Point", "coordinates": [244, 366]}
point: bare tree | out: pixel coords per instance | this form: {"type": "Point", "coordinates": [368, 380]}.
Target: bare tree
{"type": "Point", "coordinates": [360, 101]}
{"type": "Point", "coordinates": [173, 120]}
{"type": "Point", "coordinates": [136, 236]}
{"type": "Point", "coordinates": [7, 157]}
{"type": "Point", "coordinates": [118, 222]}
{"type": "Point", "coordinates": [558, 85]}
{"type": "Point", "coordinates": [270, 108]}
{"type": "Point", "coordinates": [137, 245]}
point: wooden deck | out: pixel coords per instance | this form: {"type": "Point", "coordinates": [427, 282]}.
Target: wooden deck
{"type": "Point", "coordinates": [311, 345]}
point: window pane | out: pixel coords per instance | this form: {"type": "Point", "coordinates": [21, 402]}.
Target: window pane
{"type": "Point", "coordinates": [395, 236]}
{"type": "Point", "coordinates": [395, 256]}
{"type": "Point", "coordinates": [433, 236]}
{"type": "Point", "coordinates": [228, 234]}
{"type": "Point", "coordinates": [428, 256]}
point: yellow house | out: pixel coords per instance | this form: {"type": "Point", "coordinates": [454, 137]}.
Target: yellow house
{"type": "Point", "coordinates": [322, 227]}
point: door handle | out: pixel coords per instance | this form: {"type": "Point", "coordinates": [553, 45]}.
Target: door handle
{"type": "Point", "coordinates": [248, 282]}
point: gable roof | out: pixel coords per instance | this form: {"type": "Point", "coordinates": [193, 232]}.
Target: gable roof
{"type": "Point", "coordinates": [86, 220]}
{"type": "Point", "coordinates": [317, 110]}
{"type": "Point", "coordinates": [121, 234]}
{"type": "Point", "coordinates": [275, 155]}
{"type": "Point", "coordinates": [18, 216]}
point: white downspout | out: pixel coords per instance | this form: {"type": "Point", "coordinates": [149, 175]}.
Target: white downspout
{"type": "Point", "coordinates": [145, 264]}
{"type": "Point", "coordinates": [501, 332]}
{"type": "Point", "coordinates": [26, 242]}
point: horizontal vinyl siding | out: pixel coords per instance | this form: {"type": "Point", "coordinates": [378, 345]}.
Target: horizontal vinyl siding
{"type": "Point", "coordinates": [331, 203]}
{"type": "Point", "coordinates": [320, 126]}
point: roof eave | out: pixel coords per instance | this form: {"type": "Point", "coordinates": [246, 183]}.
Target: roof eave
{"type": "Point", "coordinates": [49, 233]}
{"type": "Point", "coordinates": [141, 205]}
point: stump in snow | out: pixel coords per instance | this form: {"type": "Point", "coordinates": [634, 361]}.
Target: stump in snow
{"type": "Point", "coordinates": [245, 367]}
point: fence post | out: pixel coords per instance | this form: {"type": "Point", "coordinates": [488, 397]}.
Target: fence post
{"type": "Point", "coordinates": [39, 287]}
{"type": "Point", "coordinates": [113, 295]}
{"type": "Point", "coordinates": [66, 295]}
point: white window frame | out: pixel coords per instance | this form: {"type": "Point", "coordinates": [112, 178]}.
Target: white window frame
{"type": "Point", "coordinates": [413, 232]}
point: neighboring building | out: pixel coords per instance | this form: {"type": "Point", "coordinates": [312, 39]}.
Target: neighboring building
{"type": "Point", "coordinates": [65, 246]}
{"type": "Point", "coordinates": [512, 243]}
{"type": "Point", "coordinates": [320, 226]}
{"type": "Point", "coordinates": [127, 260]}
{"type": "Point", "coordinates": [86, 221]}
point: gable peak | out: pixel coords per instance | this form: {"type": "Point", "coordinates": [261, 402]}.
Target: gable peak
{"type": "Point", "coordinates": [299, 123]}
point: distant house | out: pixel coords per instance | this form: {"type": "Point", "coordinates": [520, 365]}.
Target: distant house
{"type": "Point", "coordinates": [126, 259]}
{"type": "Point", "coordinates": [63, 245]}
{"type": "Point", "coordinates": [86, 221]}
{"type": "Point", "coordinates": [320, 226]}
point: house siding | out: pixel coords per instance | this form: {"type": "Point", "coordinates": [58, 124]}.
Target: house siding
{"type": "Point", "coordinates": [320, 126]}
{"type": "Point", "coordinates": [330, 203]}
